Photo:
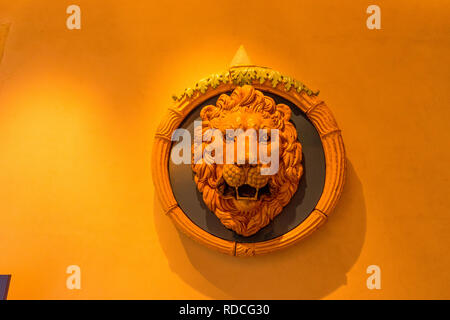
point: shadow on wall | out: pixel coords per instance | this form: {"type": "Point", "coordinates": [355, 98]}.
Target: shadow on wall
{"type": "Point", "coordinates": [311, 269]}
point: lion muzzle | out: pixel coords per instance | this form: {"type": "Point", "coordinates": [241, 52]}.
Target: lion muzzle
{"type": "Point", "coordinates": [247, 180]}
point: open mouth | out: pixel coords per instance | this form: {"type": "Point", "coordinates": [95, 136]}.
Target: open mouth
{"type": "Point", "coordinates": [246, 192]}
{"type": "Point", "coordinates": [243, 192]}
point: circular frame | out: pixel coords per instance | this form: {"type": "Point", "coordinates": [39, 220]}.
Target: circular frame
{"type": "Point", "coordinates": [267, 80]}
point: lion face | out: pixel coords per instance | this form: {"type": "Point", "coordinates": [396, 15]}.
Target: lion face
{"type": "Point", "coordinates": [241, 196]}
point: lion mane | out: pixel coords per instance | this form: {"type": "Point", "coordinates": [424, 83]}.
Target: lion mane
{"type": "Point", "coordinates": [247, 220]}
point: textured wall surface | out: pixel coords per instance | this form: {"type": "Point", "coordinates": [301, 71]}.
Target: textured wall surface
{"type": "Point", "coordinates": [4, 28]}
{"type": "Point", "coordinates": [79, 108]}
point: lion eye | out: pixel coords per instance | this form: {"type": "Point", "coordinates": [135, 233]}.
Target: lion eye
{"type": "Point", "coordinates": [230, 136]}
{"type": "Point", "coordinates": [264, 138]}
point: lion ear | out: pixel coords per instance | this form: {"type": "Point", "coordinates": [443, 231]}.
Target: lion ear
{"type": "Point", "coordinates": [285, 111]}
{"type": "Point", "coordinates": [207, 112]}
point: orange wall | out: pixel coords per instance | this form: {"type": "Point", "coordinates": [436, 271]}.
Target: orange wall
{"type": "Point", "coordinates": [78, 110]}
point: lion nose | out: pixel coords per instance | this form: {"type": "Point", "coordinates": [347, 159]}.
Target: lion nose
{"type": "Point", "coordinates": [250, 160]}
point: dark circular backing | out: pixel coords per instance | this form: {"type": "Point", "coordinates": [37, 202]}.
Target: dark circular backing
{"type": "Point", "coordinates": [302, 203]}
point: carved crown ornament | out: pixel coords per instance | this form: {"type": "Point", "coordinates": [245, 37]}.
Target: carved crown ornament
{"type": "Point", "coordinates": [244, 192]}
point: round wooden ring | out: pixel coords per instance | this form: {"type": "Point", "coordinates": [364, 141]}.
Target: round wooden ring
{"type": "Point", "coordinates": [267, 80]}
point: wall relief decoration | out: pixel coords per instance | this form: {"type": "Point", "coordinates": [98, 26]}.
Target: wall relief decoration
{"type": "Point", "coordinates": [241, 197]}
{"type": "Point", "coordinates": [236, 207]}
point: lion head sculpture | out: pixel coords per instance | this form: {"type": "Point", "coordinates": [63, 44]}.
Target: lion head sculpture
{"type": "Point", "coordinates": [242, 197]}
